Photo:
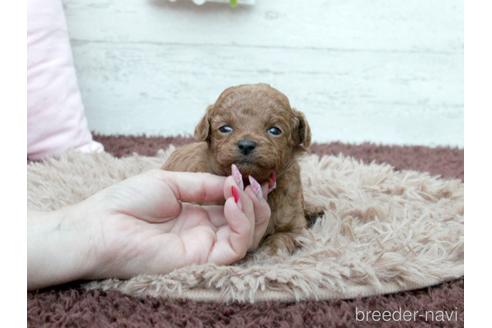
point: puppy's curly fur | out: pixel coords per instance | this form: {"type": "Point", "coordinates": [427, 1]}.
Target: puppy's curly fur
{"type": "Point", "coordinates": [254, 127]}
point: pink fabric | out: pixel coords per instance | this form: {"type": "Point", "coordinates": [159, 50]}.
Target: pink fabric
{"type": "Point", "coordinates": [55, 114]}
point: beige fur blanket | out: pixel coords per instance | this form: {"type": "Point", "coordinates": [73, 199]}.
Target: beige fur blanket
{"type": "Point", "coordinates": [383, 231]}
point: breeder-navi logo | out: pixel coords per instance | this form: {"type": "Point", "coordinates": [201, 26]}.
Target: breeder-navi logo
{"type": "Point", "coordinates": [406, 315]}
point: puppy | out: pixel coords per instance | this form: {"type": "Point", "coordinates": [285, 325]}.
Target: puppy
{"type": "Point", "coordinates": [255, 128]}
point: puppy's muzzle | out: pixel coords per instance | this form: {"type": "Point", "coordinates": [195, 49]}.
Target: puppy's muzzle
{"type": "Point", "coordinates": [246, 146]}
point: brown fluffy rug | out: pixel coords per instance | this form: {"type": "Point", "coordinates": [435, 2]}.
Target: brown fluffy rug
{"type": "Point", "coordinates": [447, 162]}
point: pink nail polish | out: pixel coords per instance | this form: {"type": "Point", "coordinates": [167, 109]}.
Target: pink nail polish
{"type": "Point", "coordinates": [238, 178]}
{"type": "Point", "coordinates": [255, 186]}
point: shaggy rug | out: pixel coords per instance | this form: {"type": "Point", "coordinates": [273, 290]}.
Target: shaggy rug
{"type": "Point", "coordinates": [74, 306]}
{"type": "Point", "coordinates": [383, 231]}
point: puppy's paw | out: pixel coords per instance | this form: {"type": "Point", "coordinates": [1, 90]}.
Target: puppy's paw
{"type": "Point", "coordinates": [312, 212]}
{"type": "Point", "coordinates": [281, 242]}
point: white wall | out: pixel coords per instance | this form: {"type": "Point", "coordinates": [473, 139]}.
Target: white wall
{"type": "Point", "coordinates": [387, 71]}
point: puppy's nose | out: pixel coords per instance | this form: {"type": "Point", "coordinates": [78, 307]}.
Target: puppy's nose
{"type": "Point", "coordinates": [246, 146]}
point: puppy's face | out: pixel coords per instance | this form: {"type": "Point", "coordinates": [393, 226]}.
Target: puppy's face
{"type": "Point", "coordinates": [254, 127]}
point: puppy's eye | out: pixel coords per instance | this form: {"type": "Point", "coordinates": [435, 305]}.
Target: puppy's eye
{"type": "Point", "coordinates": [225, 129]}
{"type": "Point", "coordinates": [274, 131]}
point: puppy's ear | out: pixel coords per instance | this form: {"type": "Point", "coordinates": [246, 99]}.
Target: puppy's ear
{"type": "Point", "coordinates": [302, 133]}
{"type": "Point", "coordinates": [202, 130]}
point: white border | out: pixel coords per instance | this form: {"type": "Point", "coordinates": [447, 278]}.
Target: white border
{"type": "Point", "coordinates": [478, 106]}
{"type": "Point", "coordinates": [478, 124]}
{"type": "Point", "coordinates": [13, 162]}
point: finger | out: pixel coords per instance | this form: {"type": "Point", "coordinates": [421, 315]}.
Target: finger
{"type": "Point", "coordinates": [272, 183]}
{"type": "Point", "coordinates": [244, 202]}
{"type": "Point", "coordinates": [240, 229]}
{"type": "Point", "coordinates": [202, 188]}
{"type": "Point", "coordinates": [262, 214]}
{"type": "Point", "coordinates": [265, 189]}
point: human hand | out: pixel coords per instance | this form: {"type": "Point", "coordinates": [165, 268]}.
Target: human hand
{"type": "Point", "coordinates": [147, 224]}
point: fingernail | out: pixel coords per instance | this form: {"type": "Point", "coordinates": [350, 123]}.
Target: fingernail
{"type": "Point", "coordinates": [255, 186]}
{"type": "Point", "coordinates": [272, 184]}
{"type": "Point", "coordinates": [237, 176]}
{"type": "Point", "coordinates": [235, 194]}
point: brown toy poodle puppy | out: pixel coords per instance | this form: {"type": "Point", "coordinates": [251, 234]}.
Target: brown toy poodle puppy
{"type": "Point", "coordinates": [255, 128]}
